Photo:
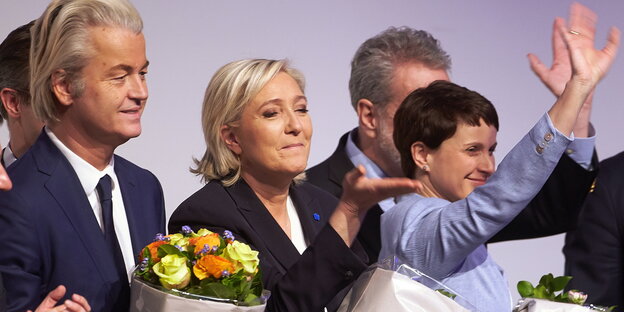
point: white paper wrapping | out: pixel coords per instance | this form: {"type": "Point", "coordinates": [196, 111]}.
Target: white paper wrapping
{"type": "Point", "coordinates": [387, 290]}
{"type": "Point", "coordinates": [539, 305]}
{"type": "Point", "coordinates": [144, 298]}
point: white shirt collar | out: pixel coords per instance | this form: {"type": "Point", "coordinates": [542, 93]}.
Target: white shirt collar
{"type": "Point", "coordinates": [7, 156]}
{"type": "Point", "coordinates": [88, 175]}
{"type": "Point", "coordinates": [358, 157]}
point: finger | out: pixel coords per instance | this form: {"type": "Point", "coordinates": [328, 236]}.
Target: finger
{"type": "Point", "coordinates": [81, 301]}
{"type": "Point", "coordinates": [74, 307]}
{"type": "Point", "coordinates": [52, 298]}
{"type": "Point", "coordinates": [613, 42]}
{"type": "Point", "coordinates": [391, 187]}
{"type": "Point", "coordinates": [355, 173]}
{"type": "Point", "coordinates": [560, 50]}
{"type": "Point", "coordinates": [583, 20]}
{"type": "Point", "coordinates": [537, 66]}
{"type": "Point", "coordinates": [5, 182]}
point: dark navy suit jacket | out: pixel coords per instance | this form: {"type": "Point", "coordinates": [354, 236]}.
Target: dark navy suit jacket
{"type": "Point", "coordinates": [306, 282]}
{"type": "Point", "coordinates": [50, 235]}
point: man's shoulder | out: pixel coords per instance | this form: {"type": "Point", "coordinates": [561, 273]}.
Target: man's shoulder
{"type": "Point", "coordinates": [329, 173]}
{"type": "Point", "coordinates": [610, 173]}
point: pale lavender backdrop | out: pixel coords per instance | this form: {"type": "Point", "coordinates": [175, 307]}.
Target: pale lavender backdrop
{"type": "Point", "coordinates": [488, 41]}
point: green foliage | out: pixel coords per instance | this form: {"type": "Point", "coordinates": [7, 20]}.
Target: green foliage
{"type": "Point", "coordinates": [549, 288]}
{"type": "Point", "coordinates": [525, 289]}
{"type": "Point", "coordinates": [243, 288]}
{"type": "Point", "coordinates": [167, 249]}
{"type": "Point", "coordinates": [446, 293]}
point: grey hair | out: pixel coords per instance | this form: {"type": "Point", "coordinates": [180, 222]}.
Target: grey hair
{"type": "Point", "coordinates": [231, 88]}
{"type": "Point", "coordinates": [373, 65]}
{"type": "Point", "coordinates": [61, 41]}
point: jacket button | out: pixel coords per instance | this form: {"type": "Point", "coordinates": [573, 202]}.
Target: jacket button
{"type": "Point", "coordinates": [539, 149]}
{"type": "Point", "coordinates": [348, 275]}
{"type": "Point", "coordinates": [548, 136]}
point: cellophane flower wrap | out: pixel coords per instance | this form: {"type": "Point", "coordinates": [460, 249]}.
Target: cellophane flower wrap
{"type": "Point", "coordinates": [205, 264]}
{"type": "Point", "coordinates": [391, 285]}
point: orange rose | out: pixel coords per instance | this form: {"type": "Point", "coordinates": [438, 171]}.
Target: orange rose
{"type": "Point", "coordinates": [153, 248]}
{"type": "Point", "coordinates": [211, 240]}
{"type": "Point", "coordinates": [211, 265]}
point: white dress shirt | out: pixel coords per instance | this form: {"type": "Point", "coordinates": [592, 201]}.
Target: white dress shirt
{"type": "Point", "coordinates": [7, 156]}
{"type": "Point", "coordinates": [296, 231]}
{"type": "Point", "coordinates": [89, 177]}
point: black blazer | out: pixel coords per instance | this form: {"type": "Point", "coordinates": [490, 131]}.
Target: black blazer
{"type": "Point", "coordinates": [51, 236]}
{"type": "Point", "coordinates": [2, 296]}
{"type": "Point", "coordinates": [595, 251]}
{"type": "Point", "coordinates": [553, 210]}
{"type": "Point", "coordinates": [306, 282]}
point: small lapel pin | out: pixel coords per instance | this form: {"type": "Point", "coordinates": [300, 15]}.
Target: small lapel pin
{"type": "Point", "coordinates": [316, 217]}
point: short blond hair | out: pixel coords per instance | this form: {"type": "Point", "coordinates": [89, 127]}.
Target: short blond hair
{"type": "Point", "coordinates": [61, 40]}
{"type": "Point", "coordinates": [231, 88]}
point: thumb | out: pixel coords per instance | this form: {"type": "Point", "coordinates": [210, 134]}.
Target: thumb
{"type": "Point", "coordinates": [537, 66]}
{"type": "Point", "coordinates": [52, 298]}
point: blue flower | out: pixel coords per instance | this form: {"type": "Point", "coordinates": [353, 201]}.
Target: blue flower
{"type": "Point", "coordinates": [228, 236]}
{"type": "Point", "coordinates": [186, 230]}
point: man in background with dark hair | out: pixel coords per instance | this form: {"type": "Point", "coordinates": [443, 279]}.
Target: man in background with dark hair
{"type": "Point", "coordinates": [24, 127]}
{"type": "Point", "coordinates": [388, 67]}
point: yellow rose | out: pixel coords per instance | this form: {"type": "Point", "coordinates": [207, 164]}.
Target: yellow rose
{"type": "Point", "coordinates": [202, 232]}
{"type": "Point", "coordinates": [174, 239]}
{"type": "Point", "coordinates": [173, 272]}
{"type": "Point", "coordinates": [243, 256]}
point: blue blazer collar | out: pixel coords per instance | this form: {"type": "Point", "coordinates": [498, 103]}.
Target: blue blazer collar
{"type": "Point", "coordinates": [63, 184]}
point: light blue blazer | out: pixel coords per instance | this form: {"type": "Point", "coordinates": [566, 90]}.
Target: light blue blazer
{"type": "Point", "coordinates": [446, 240]}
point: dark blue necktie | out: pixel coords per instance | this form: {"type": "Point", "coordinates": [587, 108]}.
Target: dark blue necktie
{"type": "Point", "coordinates": [104, 189]}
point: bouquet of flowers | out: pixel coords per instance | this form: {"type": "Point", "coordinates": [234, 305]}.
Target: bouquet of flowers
{"type": "Point", "coordinates": [549, 294]}
{"type": "Point", "coordinates": [202, 265]}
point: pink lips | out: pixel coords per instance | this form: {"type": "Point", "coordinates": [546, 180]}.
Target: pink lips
{"type": "Point", "coordinates": [291, 146]}
{"type": "Point", "coordinates": [479, 181]}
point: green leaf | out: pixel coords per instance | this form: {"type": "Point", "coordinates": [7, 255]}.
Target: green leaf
{"type": "Point", "coordinates": [167, 249]}
{"type": "Point", "coordinates": [562, 297]}
{"type": "Point", "coordinates": [251, 299]}
{"type": "Point", "coordinates": [446, 293]}
{"type": "Point", "coordinates": [559, 283]}
{"type": "Point", "coordinates": [256, 284]}
{"type": "Point", "coordinates": [525, 289]}
{"type": "Point", "coordinates": [546, 280]}
{"type": "Point", "coordinates": [541, 292]}
{"type": "Point", "coordinates": [218, 290]}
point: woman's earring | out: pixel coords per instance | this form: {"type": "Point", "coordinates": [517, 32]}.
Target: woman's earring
{"type": "Point", "coordinates": [425, 168]}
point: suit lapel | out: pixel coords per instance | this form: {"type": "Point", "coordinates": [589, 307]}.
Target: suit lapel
{"type": "Point", "coordinates": [262, 222]}
{"type": "Point", "coordinates": [127, 183]}
{"type": "Point", "coordinates": [307, 208]}
{"type": "Point", "coordinates": [339, 163]}
{"type": "Point", "coordinates": [64, 186]}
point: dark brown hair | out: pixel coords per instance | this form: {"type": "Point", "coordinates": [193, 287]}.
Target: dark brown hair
{"type": "Point", "coordinates": [431, 115]}
{"type": "Point", "coordinates": [14, 69]}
